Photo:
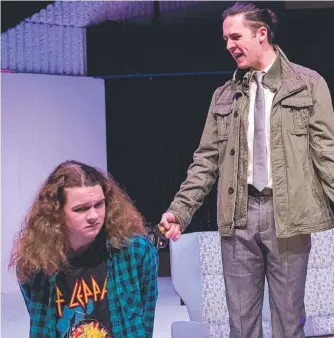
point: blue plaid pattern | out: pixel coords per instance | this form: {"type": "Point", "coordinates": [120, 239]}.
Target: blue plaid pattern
{"type": "Point", "coordinates": [132, 293]}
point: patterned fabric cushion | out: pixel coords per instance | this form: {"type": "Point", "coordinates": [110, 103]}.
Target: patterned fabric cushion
{"type": "Point", "coordinates": [319, 292]}
{"type": "Point", "coordinates": [323, 326]}
{"type": "Point", "coordinates": [214, 309]}
{"type": "Point", "coordinates": [322, 253]}
{"type": "Point", "coordinates": [210, 253]}
{"type": "Point", "coordinates": [219, 331]}
{"type": "Point", "coordinates": [266, 329]}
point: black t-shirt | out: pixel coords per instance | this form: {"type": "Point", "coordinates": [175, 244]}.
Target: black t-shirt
{"type": "Point", "coordinates": [81, 295]}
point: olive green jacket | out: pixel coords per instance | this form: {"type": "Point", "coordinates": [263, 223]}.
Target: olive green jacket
{"type": "Point", "coordinates": [302, 153]}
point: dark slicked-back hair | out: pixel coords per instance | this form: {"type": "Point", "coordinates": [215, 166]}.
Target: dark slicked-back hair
{"type": "Point", "coordinates": [255, 17]}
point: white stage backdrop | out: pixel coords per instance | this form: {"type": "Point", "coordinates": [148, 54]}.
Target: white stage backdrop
{"type": "Point", "coordinates": [45, 120]}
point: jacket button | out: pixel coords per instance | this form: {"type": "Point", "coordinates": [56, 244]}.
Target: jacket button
{"type": "Point", "coordinates": [235, 114]}
{"type": "Point", "coordinates": [230, 191]}
{"type": "Point", "coordinates": [232, 152]}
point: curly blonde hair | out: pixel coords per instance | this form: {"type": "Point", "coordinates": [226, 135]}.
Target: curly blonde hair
{"type": "Point", "coordinates": [42, 245]}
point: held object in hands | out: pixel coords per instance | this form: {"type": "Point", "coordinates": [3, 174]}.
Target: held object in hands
{"type": "Point", "coordinates": [157, 236]}
{"type": "Point", "coordinates": [162, 229]}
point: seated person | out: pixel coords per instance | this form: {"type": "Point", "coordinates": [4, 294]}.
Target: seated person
{"type": "Point", "coordinates": [83, 260]}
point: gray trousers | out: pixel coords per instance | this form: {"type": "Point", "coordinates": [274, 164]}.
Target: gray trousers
{"type": "Point", "coordinates": [254, 253]}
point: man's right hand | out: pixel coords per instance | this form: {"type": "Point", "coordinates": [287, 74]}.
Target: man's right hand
{"type": "Point", "coordinates": [169, 222]}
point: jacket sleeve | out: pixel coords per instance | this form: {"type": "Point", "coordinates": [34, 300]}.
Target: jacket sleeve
{"type": "Point", "coordinates": [322, 136]}
{"type": "Point", "coordinates": [149, 286]}
{"type": "Point", "coordinates": [201, 175]}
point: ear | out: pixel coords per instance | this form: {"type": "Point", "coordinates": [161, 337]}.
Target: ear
{"type": "Point", "coordinates": [262, 34]}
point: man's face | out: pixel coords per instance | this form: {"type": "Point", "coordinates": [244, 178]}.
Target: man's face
{"type": "Point", "coordinates": [84, 212]}
{"type": "Point", "coordinates": [243, 44]}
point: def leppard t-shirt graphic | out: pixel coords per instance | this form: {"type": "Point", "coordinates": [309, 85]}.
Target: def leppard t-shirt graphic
{"type": "Point", "coordinates": [81, 294]}
{"type": "Point", "coordinates": [74, 318]}
{"type": "Point", "coordinates": [82, 297]}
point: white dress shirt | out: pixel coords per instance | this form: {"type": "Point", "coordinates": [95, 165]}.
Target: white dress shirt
{"type": "Point", "coordinates": [269, 96]}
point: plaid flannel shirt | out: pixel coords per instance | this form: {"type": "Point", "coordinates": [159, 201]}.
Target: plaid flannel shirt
{"type": "Point", "coordinates": [131, 287]}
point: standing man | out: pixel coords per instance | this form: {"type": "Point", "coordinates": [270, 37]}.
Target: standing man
{"type": "Point", "coordinates": [269, 138]}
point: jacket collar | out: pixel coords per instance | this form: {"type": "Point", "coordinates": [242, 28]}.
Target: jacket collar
{"type": "Point", "coordinates": [281, 77]}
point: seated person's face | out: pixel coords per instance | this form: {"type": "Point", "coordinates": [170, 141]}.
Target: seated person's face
{"type": "Point", "coordinates": [84, 212]}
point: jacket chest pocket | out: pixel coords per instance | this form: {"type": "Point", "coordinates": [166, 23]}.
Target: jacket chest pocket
{"type": "Point", "coordinates": [296, 112]}
{"type": "Point", "coordinates": [223, 116]}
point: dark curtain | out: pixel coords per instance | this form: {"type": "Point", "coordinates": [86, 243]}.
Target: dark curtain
{"type": "Point", "coordinates": [153, 127]}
